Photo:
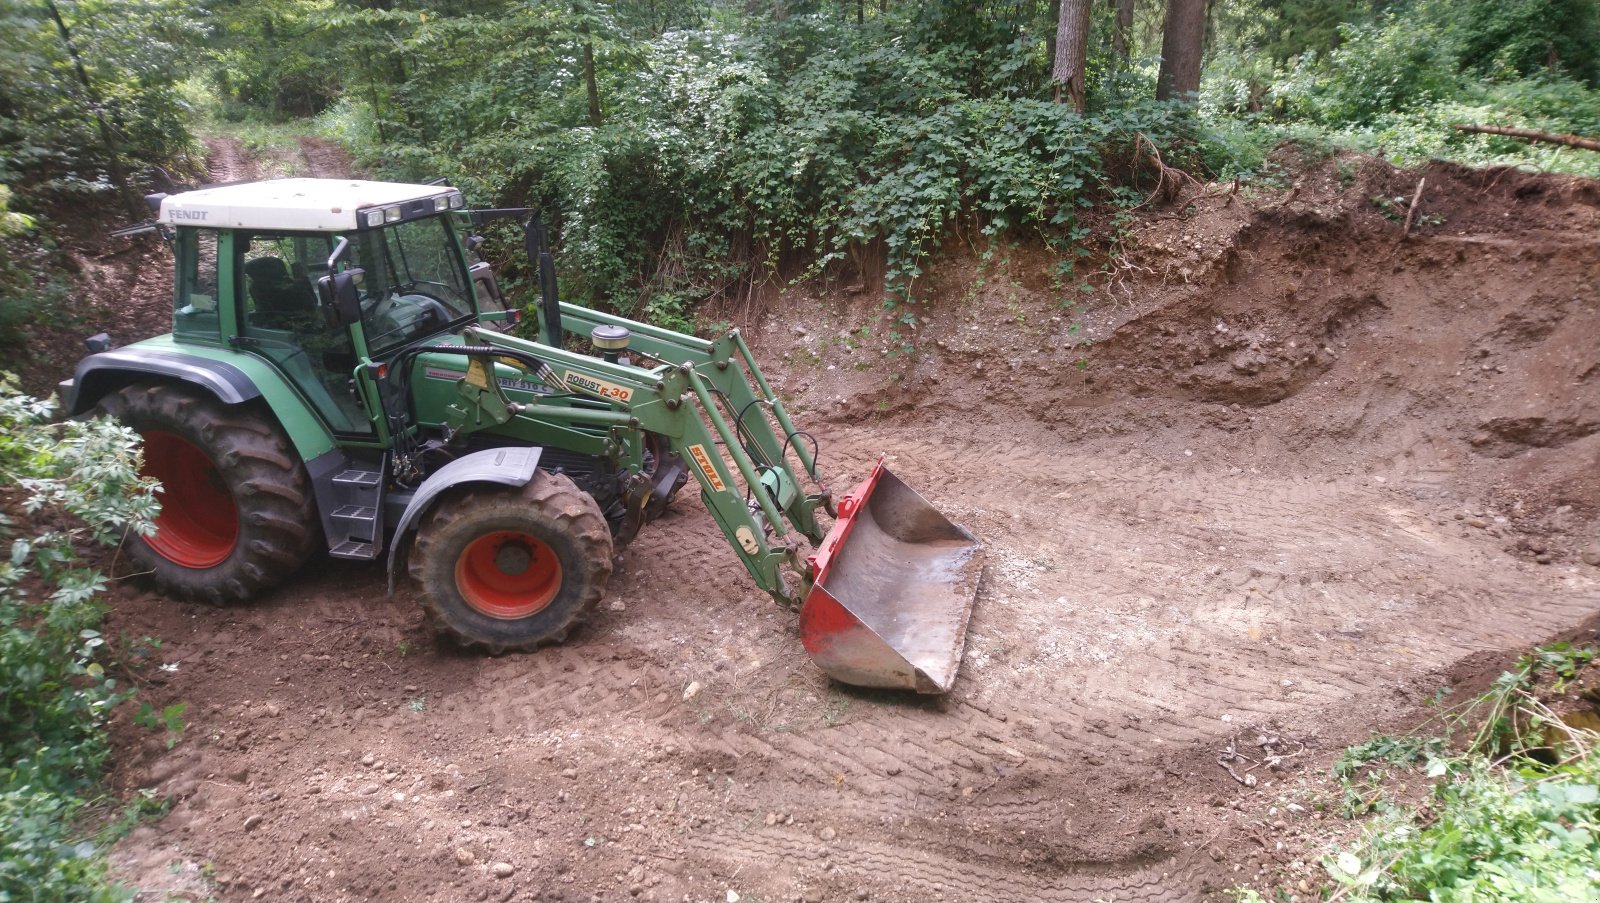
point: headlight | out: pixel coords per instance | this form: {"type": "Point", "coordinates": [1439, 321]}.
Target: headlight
{"type": "Point", "coordinates": [374, 218]}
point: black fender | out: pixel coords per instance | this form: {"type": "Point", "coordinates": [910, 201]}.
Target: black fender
{"type": "Point", "coordinates": [98, 375]}
{"type": "Point", "coordinates": [505, 466]}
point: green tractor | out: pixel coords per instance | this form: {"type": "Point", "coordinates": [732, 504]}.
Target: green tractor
{"type": "Point", "coordinates": [339, 376]}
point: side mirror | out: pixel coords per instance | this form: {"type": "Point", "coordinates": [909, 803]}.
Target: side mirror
{"type": "Point", "coordinates": [474, 242]}
{"type": "Point", "coordinates": [340, 296]}
{"type": "Point", "coordinates": [485, 285]}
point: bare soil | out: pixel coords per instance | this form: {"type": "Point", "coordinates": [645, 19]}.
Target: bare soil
{"type": "Point", "coordinates": [1283, 475]}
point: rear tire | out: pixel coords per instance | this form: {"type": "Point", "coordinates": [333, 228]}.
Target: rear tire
{"type": "Point", "coordinates": [512, 569]}
{"type": "Point", "coordinates": [237, 512]}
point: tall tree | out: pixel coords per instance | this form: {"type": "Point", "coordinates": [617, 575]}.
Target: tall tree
{"type": "Point", "coordinates": [1072, 51]}
{"type": "Point", "coordinates": [92, 98]}
{"type": "Point", "coordinates": [590, 87]}
{"type": "Point", "coordinates": [1122, 30]}
{"type": "Point", "coordinates": [1182, 43]}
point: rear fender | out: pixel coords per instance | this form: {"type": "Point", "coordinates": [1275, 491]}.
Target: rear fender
{"type": "Point", "coordinates": [98, 375]}
{"type": "Point", "coordinates": [508, 466]}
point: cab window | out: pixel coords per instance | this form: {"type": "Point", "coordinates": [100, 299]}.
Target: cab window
{"type": "Point", "coordinates": [195, 303]}
{"type": "Point", "coordinates": [414, 283]}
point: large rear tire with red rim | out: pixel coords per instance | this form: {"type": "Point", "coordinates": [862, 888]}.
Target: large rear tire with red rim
{"type": "Point", "coordinates": [512, 569]}
{"type": "Point", "coordinates": [237, 511]}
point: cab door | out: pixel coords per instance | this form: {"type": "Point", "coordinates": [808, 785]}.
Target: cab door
{"type": "Point", "coordinates": [281, 319]}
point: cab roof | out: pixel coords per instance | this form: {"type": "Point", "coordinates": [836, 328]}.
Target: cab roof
{"type": "Point", "coordinates": [314, 205]}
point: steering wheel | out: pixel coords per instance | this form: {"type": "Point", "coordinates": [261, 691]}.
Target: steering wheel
{"type": "Point", "coordinates": [379, 306]}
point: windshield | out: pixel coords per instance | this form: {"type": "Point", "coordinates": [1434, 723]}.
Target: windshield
{"type": "Point", "coordinates": [414, 284]}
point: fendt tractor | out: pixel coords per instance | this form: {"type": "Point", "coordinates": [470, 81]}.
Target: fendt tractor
{"type": "Point", "coordinates": [338, 372]}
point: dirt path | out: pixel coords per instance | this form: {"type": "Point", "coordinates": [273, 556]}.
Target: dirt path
{"type": "Point", "coordinates": [228, 160]}
{"type": "Point", "coordinates": [1303, 469]}
{"type": "Point", "coordinates": [323, 159]}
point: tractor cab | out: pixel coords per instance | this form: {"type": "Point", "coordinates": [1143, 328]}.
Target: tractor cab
{"type": "Point", "coordinates": [315, 276]}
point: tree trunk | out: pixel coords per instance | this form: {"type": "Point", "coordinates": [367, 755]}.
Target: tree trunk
{"type": "Point", "coordinates": [113, 153]}
{"type": "Point", "coordinates": [1122, 30]}
{"type": "Point", "coordinates": [590, 86]}
{"type": "Point", "coordinates": [1072, 47]}
{"type": "Point", "coordinates": [1578, 141]}
{"type": "Point", "coordinates": [1182, 43]}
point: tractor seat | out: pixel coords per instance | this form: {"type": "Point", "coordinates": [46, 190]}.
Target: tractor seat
{"type": "Point", "coordinates": [280, 299]}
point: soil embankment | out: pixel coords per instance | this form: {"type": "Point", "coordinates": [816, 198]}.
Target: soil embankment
{"type": "Point", "coordinates": [1260, 494]}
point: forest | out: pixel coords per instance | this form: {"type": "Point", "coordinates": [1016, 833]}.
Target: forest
{"type": "Point", "coordinates": [690, 150]}
{"type": "Point", "coordinates": [1166, 219]}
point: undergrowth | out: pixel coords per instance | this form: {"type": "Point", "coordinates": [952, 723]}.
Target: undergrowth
{"type": "Point", "coordinates": [1512, 813]}
{"type": "Point", "coordinates": [55, 692]}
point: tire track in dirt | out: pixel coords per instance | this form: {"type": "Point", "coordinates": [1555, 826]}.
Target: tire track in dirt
{"type": "Point", "coordinates": [324, 159]}
{"type": "Point", "coordinates": [1220, 676]}
{"type": "Point", "coordinates": [228, 161]}
{"type": "Point", "coordinates": [936, 874]}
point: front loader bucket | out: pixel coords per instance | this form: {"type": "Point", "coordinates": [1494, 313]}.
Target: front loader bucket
{"type": "Point", "coordinates": [894, 585]}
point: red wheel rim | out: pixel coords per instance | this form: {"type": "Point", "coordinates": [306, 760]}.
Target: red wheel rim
{"type": "Point", "coordinates": [199, 523]}
{"type": "Point", "coordinates": [508, 574]}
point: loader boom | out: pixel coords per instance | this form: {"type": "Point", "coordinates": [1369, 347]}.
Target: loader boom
{"type": "Point", "coordinates": [708, 398]}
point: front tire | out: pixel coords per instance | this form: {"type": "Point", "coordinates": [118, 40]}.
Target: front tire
{"type": "Point", "coordinates": [237, 513]}
{"type": "Point", "coordinates": [512, 569]}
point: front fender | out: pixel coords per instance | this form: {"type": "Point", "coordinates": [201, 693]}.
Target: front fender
{"type": "Point", "coordinates": [508, 466]}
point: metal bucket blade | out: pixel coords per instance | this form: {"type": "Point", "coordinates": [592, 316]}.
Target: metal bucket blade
{"type": "Point", "coordinates": [895, 585]}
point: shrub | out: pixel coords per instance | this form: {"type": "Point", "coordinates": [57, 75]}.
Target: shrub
{"type": "Point", "coordinates": [55, 694]}
{"type": "Point", "coordinates": [1515, 818]}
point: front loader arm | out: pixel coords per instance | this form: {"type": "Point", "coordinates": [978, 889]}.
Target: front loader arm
{"type": "Point", "coordinates": [718, 412]}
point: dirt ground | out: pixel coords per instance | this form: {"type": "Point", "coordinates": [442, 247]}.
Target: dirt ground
{"type": "Point", "coordinates": [1264, 490]}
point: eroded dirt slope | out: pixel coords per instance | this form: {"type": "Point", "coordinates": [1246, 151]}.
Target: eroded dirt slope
{"type": "Point", "coordinates": [1262, 493]}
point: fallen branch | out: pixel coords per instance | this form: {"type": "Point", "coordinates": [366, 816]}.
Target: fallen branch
{"type": "Point", "coordinates": [1411, 212]}
{"type": "Point", "coordinates": [1533, 135]}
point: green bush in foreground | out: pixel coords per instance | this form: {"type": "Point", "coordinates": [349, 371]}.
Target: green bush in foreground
{"type": "Point", "coordinates": [1527, 834]}
{"type": "Point", "coordinates": [54, 694]}
{"type": "Point", "coordinates": [1504, 823]}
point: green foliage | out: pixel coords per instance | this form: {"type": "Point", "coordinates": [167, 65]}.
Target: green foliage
{"type": "Point", "coordinates": [1511, 720]}
{"type": "Point", "coordinates": [11, 223]}
{"type": "Point", "coordinates": [54, 691]}
{"type": "Point", "coordinates": [1363, 769]}
{"type": "Point", "coordinates": [736, 145]}
{"type": "Point", "coordinates": [21, 299]}
{"type": "Point", "coordinates": [169, 720]}
{"type": "Point", "coordinates": [1522, 835]}
{"type": "Point", "coordinates": [1513, 818]}
{"type": "Point", "coordinates": [23, 303]}
{"type": "Point", "coordinates": [38, 858]}
{"type": "Point", "coordinates": [1395, 82]}
{"type": "Point", "coordinates": [1511, 38]}
{"type": "Point", "coordinates": [132, 52]}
